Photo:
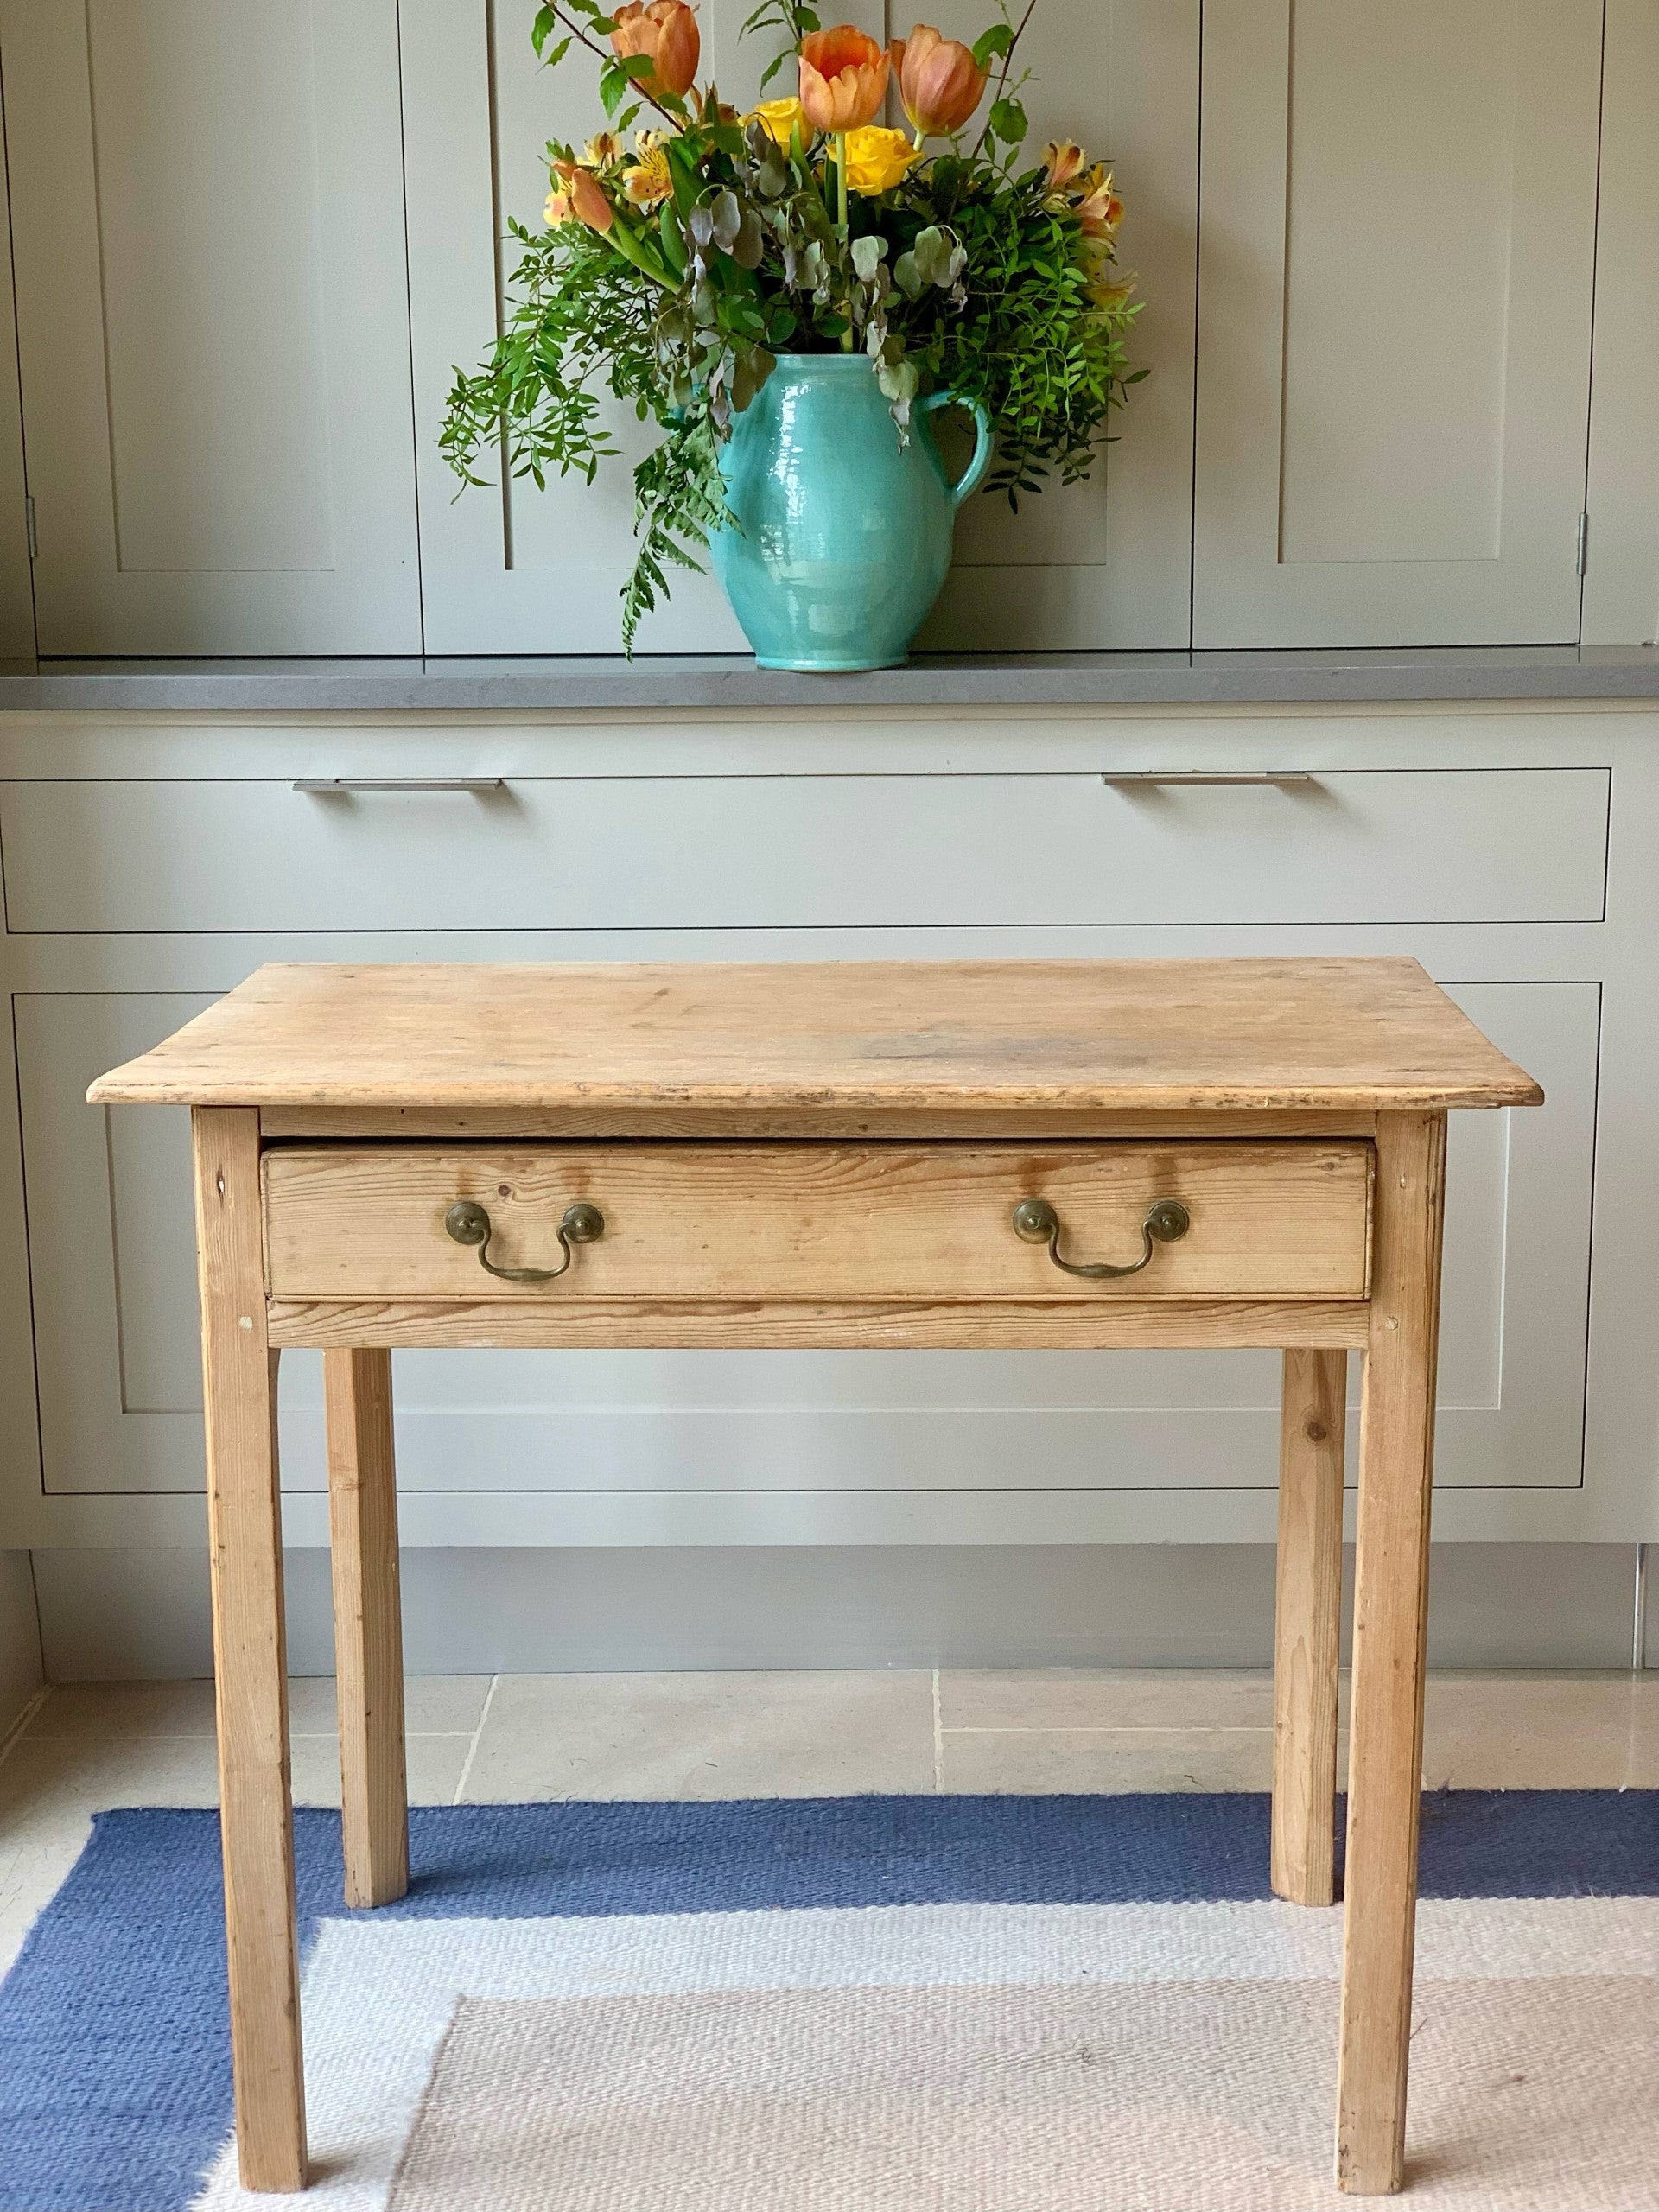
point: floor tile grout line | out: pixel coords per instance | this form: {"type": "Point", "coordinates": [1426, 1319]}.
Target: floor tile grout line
{"type": "Point", "coordinates": [939, 1736]}
{"type": "Point", "coordinates": [1122, 1728]}
{"type": "Point", "coordinates": [166, 1736]}
{"type": "Point", "coordinates": [478, 1737]}
{"type": "Point", "coordinates": [19, 1727]}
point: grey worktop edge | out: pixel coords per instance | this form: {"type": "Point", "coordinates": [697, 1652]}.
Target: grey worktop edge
{"type": "Point", "coordinates": [663, 685]}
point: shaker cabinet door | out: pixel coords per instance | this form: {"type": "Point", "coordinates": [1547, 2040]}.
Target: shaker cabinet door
{"type": "Point", "coordinates": [1103, 564]}
{"type": "Point", "coordinates": [213, 321]}
{"type": "Point", "coordinates": [1397, 212]}
{"type": "Point", "coordinates": [522, 571]}
{"type": "Point", "coordinates": [1106, 563]}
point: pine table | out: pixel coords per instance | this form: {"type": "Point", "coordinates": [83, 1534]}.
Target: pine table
{"type": "Point", "coordinates": [962, 1154]}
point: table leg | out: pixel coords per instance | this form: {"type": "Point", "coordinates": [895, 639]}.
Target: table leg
{"type": "Point", "coordinates": [1390, 1615]}
{"type": "Point", "coordinates": [1308, 1625]}
{"type": "Point", "coordinates": [368, 1625]}
{"type": "Point", "coordinates": [249, 1657]}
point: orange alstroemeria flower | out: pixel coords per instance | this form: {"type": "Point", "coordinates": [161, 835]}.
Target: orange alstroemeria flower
{"type": "Point", "coordinates": [1100, 211]}
{"type": "Point", "coordinates": [939, 82]}
{"type": "Point", "coordinates": [578, 195]}
{"type": "Point", "coordinates": [666, 33]}
{"type": "Point", "coordinates": [1063, 160]}
{"type": "Point", "coordinates": [843, 78]}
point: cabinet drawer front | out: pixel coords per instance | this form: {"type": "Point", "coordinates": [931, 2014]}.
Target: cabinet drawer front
{"type": "Point", "coordinates": [1277, 1220]}
{"type": "Point", "coordinates": [761, 852]}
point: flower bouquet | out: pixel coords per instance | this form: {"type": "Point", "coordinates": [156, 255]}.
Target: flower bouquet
{"type": "Point", "coordinates": [790, 295]}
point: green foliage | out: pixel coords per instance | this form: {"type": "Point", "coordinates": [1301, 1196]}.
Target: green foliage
{"type": "Point", "coordinates": [1033, 325]}
{"type": "Point", "coordinates": [792, 20]}
{"type": "Point", "coordinates": [967, 275]}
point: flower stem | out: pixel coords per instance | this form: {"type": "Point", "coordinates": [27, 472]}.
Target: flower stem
{"type": "Point", "coordinates": [841, 216]}
{"type": "Point", "coordinates": [1001, 85]}
{"type": "Point", "coordinates": [634, 249]}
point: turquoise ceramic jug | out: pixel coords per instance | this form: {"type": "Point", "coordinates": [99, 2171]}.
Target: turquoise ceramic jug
{"type": "Point", "coordinates": [843, 537]}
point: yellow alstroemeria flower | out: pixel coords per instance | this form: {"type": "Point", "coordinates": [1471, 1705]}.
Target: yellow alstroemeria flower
{"type": "Point", "coordinates": [877, 159]}
{"type": "Point", "coordinates": [1112, 297]}
{"type": "Point", "coordinates": [600, 151]}
{"type": "Point", "coordinates": [650, 181]}
{"type": "Point", "coordinates": [780, 119]}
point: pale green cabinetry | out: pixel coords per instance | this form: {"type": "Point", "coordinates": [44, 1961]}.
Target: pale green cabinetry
{"type": "Point", "coordinates": [251, 246]}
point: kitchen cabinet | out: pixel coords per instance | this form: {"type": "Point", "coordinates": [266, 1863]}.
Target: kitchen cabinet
{"type": "Point", "coordinates": [1397, 216]}
{"type": "Point", "coordinates": [1508, 850]}
{"type": "Point", "coordinates": [208, 222]}
{"type": "Point", "coordinates": [252, 246]}
{"type": "Point", "coordinates": [1367, 844]}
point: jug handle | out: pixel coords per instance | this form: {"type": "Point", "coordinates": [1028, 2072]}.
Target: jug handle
{"type": "Point", "coordinates": [974, 474]}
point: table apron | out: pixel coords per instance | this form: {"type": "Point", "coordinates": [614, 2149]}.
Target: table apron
{"type": "Point", "coordinates": [1116, 1323]}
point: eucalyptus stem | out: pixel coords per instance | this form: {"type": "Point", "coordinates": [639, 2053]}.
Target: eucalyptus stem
{"type": "Point", "coordinates": [840, 218]}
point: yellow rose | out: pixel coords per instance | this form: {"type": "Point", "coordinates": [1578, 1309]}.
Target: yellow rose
{"type": "Point", "coordinates": [779, 119]}
{"type": "Point", "coordinates": [877, 159]}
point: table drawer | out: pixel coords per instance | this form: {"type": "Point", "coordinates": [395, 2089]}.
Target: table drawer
{"type": "Point", "coordinates": [1290, 1219]}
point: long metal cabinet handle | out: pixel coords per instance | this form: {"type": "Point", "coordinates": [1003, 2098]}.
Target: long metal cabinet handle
{"type": "Point", "coordinates": [468, 1223]}
{"type": "Point", "coordinates": [1147, 776]}
{"type": "Point", "coordinates": [328, 786]}
{"type": "Point", "coordinates": [1035, 1219]}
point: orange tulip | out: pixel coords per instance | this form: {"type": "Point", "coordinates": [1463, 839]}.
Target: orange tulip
{"type": "Point", "coordinates": [843, 78]}
{"type": "Point", "coordinates": [578, 194]}
{"type": "Point", "coordinates": [666, 33]}
{"type": "Point", "coordinates": [939, 82]}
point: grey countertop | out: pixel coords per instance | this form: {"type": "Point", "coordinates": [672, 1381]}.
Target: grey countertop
{"type": "Point", "coordinates": [730, 681]}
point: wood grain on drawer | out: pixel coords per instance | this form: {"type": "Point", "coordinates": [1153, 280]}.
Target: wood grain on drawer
{"type": "Point", "coordinates": [809, 851]}
{"type": "Point", "coordinates": [1287, 1220]}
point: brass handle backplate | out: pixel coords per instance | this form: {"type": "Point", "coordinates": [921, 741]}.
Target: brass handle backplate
{"type": "Point", "coordinates": [469, 1223]}
{"type": "Point", "coordinates": [1035, 1219]}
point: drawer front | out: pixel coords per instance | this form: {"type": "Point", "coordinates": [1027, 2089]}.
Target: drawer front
{"type": "Point", "coordinates": [818, 1221]}
{"type": "Point", "coordinates": [761, 852]}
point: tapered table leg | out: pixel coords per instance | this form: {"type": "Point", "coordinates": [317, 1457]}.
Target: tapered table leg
{"type": "Point", "coordinates": [368, 1625]}
{"type": "Point", "coordinates": [1308, 1625]}
{"type": "Point", "coordinates": [1390, 1616]}
{"type": "Point", "coordinates": [249, 1657]}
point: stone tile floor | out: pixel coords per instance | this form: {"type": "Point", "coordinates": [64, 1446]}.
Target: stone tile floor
{"type": "Point", "coordinates": [507, 1737]}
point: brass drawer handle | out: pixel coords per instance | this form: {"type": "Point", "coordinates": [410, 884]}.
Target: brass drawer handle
{"type": "Point", "coordinates": [1036, 1221]}
{"type": "Point", "coordinates": [469, 1223]}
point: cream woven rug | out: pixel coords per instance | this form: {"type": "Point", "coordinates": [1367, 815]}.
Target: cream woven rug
{"type": "Point", "coordinates": [1528, 2096]}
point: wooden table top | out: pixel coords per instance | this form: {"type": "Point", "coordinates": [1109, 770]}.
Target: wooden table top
{"type": "Point", "coordinates": [931, 1037]}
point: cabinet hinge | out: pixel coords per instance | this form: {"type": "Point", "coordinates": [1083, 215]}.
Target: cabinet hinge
{"type": "Point", "coordinates": [1582, 556]}
{"type": "Point", "coordinates": [29, 518]}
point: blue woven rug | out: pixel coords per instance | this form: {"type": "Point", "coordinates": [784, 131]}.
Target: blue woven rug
{"type": "Point", "coordinates": [113, 2050]}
